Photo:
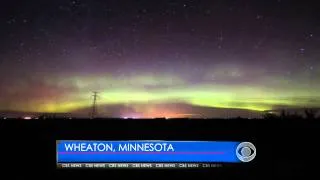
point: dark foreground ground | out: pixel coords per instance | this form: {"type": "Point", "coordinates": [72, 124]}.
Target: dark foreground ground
{"type": "Point", "coordinates": [285, 148]}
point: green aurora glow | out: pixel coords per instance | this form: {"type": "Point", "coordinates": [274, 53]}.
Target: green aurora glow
{"type": "Point", "coordinates": [151, 89]}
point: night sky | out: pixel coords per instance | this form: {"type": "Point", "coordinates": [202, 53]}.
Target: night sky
{"type": "Point", "coordinates": [149, 58]}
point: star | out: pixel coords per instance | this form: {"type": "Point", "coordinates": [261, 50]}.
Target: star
{"type": "Point", "coordinates": [11, 21]}
{"type": "Point", "coordinates": [208, 12]}
{"type": "Point", "coordinates": [259, 16]}
{"type": "Point", "coordinates": [144, 11]}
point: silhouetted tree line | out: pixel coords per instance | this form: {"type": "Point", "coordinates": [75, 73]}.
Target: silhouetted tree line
{"type": "Point", "coordinates": [48, 116]}
{"type": "Point", "coordinates": [309, 114]}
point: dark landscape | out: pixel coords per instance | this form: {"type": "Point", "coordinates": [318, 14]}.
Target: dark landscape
{"type": "Point", "coordinates": [286, 146]}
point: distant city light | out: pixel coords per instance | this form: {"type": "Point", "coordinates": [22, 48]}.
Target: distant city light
{"type": "Point", "coordinates": [130, 117]}
{"type": "Point", "coordinates": [4, 117]}
{"type": "Point", "coordinates": [27, 117]}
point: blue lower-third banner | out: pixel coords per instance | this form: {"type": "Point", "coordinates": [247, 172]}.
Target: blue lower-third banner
{"type": "Point", "coordinates": [152, 151]}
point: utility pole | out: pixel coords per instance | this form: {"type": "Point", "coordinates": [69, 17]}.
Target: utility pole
{"type": "Point", "coordinates": [94, 105]}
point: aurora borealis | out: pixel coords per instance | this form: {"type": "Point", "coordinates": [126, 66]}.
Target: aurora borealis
{"type": "Point", "coordinates": [158, 58]}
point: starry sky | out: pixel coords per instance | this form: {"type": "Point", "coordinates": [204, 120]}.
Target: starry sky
{"type": "Point", "coordinates": [169, 58]}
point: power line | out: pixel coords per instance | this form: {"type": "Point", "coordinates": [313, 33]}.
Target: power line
{"type": "Point", "coordinates": [94, 105]}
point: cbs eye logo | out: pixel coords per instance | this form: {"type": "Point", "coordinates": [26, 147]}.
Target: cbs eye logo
{"type": "Point", "coordinates": [246, 152]}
